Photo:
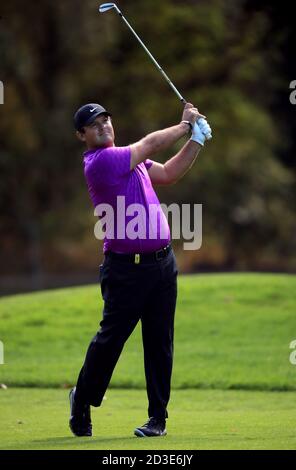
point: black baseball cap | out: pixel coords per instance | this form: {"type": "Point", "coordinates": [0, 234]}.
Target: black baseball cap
{"type": "Point", "coordinates": [87, 114]}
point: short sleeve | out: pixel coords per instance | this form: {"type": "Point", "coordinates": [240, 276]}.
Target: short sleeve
{"type": "Point", "coordinates": [109, 165]}
{"type": "Point", "coordinates": [148, 163]}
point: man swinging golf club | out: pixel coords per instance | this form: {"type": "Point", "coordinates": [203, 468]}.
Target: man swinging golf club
{"type": "Point", "coordinates": [138, 276]}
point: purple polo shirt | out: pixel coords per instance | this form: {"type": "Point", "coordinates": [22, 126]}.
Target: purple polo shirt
{"type": "Point", "coordinates": [136, 229]}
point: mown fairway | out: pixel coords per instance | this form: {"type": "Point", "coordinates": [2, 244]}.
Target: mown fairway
{"type": "Point", "coordinates": [232, 334]}
{"type": "Point", "coordinates": [199, 419]}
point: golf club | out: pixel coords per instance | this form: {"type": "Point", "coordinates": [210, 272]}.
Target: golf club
{"type": "Point", "coordinates": [108, 6]}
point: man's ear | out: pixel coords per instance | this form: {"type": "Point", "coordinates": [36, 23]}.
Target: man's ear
{"type": "Point", "coordinates": [80, 136]}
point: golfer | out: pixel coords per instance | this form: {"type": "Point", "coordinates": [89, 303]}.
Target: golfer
{"type": "Point", "coordinates": [139, 274]}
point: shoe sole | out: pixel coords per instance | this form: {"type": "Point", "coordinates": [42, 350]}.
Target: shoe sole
{"type": "Point", "coordinates": [139, 433]}
{"type": "Point", "coordinates": [81, 435]}
{"type": "Point", "coordinates": [78, 434]}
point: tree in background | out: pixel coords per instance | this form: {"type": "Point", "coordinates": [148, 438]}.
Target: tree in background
{"type": "Point", "coordinates": [225, 56]}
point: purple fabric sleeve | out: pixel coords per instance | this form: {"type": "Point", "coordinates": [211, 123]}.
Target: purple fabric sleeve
{"type": "Point", "coordinates": [148, 163]}
{"type": "Point", "coordinates": [111, 164]}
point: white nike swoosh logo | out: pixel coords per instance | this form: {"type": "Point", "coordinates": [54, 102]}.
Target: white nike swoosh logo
{"type": "Point", "coordinates": [93, 109]}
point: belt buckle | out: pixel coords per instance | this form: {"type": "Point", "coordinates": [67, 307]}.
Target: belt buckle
{"type": "Point", "coordinates": [137, 258]}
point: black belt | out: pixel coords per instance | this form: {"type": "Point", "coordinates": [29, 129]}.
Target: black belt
{"type": "Point", "coordinates": [137, 258]}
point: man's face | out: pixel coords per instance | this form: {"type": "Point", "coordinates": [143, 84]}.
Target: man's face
{"type": "Point", "coordinates": [99, 133]}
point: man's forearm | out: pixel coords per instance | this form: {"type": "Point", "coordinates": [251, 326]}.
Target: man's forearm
{"type": "Point", "coordinates": [178, 165]}
{"type": "Point", "coordinates": [162, 140]}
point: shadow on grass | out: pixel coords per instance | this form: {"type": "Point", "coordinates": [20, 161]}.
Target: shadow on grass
{"type": "Point", "coordinates": [71, 440]}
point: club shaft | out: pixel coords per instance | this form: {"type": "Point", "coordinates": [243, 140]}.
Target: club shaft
{"type": "Point", "coordinates": [152, 58]}
{"type": "Point", "coordinates": [208, 136]}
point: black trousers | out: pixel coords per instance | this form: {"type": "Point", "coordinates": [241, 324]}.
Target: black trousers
{"type": "Point", "coordinates": [133, 292]}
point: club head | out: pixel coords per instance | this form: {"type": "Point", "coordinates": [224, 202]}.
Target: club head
{"type": "Point", "coordinates": [106, 6]}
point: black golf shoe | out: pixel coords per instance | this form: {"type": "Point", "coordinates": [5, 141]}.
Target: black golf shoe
{"type": "Point", "coordinates": [80, 422]}
{"type": "Point", "coordinates": [153, 428]}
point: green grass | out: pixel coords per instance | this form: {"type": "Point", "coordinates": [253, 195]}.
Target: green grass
{"type": "Point", "coordinates": [233, 384]}
{"type": "Point", "coordinates": [199, 419]}
{"type": "Point", "coordinates": [232, 332]}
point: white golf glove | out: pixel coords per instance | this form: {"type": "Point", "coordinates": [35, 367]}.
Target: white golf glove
{"type": "Point", "coordinates": [201, 131]}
